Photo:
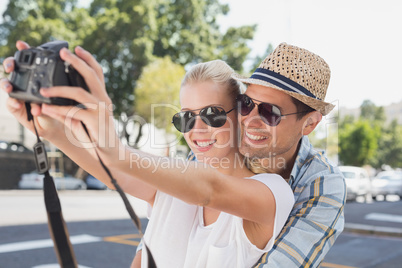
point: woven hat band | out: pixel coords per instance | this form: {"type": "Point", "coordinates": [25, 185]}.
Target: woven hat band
{"type": "Point", "coordinates": [281, 81]}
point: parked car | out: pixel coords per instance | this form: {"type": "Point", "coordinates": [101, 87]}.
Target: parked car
{"type": "Point", "coordinates": [11, 146]}
{"type": "Point", "coordinates": [357, 180]}
{"type": "Point", "coordinates": [94, 183]}
{"type": "Point", "coordinates": [62, 181]}
{"type": "Point", "coordinates": [387, 183]}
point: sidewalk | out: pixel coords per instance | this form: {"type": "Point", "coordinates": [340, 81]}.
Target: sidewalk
{"type": "Point", "coordinates": [372, 230]}
{"type": "Point", "coordinates": [20, 207]}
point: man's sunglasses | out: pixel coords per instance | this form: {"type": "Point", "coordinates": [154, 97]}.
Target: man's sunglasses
{"type": "Point", "coordinates": [269, 113]}
{"type": "Point", "coordinates": [212, 116]}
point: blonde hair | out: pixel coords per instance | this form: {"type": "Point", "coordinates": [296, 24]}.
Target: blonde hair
{"type": "Point", "coordinates": [216, 71]}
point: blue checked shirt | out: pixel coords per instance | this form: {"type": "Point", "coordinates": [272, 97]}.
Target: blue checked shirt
{"type": "Point", "coordinates": [317, 217]}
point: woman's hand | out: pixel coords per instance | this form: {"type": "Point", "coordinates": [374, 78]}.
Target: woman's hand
{"type": "Point", "coordinates": [47, 127]}
{"type": "Point", "coordinates": [96, 109]}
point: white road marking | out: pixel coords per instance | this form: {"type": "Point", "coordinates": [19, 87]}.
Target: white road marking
{"type": "Point", "coordinates": [384, 217]}
{"type": "Point", "coordinates": [55, 265]}
{"type": "Point", "coordinates": [46, 243]}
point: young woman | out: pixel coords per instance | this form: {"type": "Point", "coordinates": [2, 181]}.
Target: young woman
{"type": "Point", "coordinates": [194, 235]}
{"type": "Point", "coordinates": [207, 213]}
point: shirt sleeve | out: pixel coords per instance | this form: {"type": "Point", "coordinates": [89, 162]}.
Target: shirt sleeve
{"type": "Point", "coordinates": [315, 222]}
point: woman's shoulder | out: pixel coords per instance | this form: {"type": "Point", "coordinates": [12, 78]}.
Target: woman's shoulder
{"type": "Point", "coordinates": [271, 176]}
{"type": "Point", "coordinates": [268, 177]}
{"type": "Point", "coordinates": [274, 182]}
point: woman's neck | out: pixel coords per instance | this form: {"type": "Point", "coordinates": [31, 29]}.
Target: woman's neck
{"type": "Point", "coordinates": [233, 164]}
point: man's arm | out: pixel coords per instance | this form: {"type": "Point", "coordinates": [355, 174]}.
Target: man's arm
{"type": "Point", "coordinates": [315, 222]}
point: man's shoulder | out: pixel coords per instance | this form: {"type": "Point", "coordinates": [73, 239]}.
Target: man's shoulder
{"type": "Point", "coordinates": [319, 177]}
{"type": "Point", "coordinates": [314, 164]}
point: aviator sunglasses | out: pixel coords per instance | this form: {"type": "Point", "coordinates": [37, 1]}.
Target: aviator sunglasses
{"type": "Point", "coordinates": [212, 116]}
{"type": "Point", "coordinates": [269, 113]}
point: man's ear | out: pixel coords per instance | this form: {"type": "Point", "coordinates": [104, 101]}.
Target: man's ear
{"type": "Point", "coordinates": [311, 121]}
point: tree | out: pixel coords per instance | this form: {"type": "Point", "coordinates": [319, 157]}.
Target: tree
{"type": "Point", "coordinates": [257, 60]}
{"type": "Point", "coordinates": [235, 55]}
{"type": "Point", "coordinates": [126, 34]}
{"type": "Point", "coordinates": [390, 146]}
{"type": "Point", "coordinates": [41, 21]}
{"type": "Point", "coordinates": [157, 100]}
{"type": "Point", "coordinates": [188, 32]}
{"type": "Point", "coordinates": [123, 44]}
{"type": "Point", "coordinates": [357, 143]}
{"type": "Point", "coordinates": [346, 120]}
{"type": "Point", "coordinates": [369, 111]}
{"type": "Point", "coordinates": [369, 140]}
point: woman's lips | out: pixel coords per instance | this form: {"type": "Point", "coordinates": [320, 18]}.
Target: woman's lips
{"type": "Point", "coordinates": [204, 145]}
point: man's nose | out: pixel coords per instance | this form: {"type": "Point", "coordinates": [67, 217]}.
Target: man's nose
{"type": "Point", "coordinates": [253, 119]}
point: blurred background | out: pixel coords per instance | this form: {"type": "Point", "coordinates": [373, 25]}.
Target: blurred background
{"type": "Point", "coordinates": [137, 41]}
{"type": "Point", "coordinates": [145, 47]}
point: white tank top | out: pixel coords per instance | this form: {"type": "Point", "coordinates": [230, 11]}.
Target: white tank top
{"type": "Point", "coordinates": [177, 236]}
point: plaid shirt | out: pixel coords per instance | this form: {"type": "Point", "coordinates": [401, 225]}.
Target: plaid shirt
{"type": "Point", "coordinates": [317, 217]}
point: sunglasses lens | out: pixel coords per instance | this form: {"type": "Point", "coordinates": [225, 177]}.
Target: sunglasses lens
{"type": "Point", "coordinates": [245, 104]}
{"type": "Point", "coordinates": [270, 114]}
{"type": "Point", "coordinates": [213, 116]}
{"type": "Point", "coordinates": [184, 121]}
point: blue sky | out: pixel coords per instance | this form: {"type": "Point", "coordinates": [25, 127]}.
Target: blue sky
{"type": "Point", "coordinates": [360, 39]}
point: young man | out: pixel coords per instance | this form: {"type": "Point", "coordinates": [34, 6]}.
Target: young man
{"type": "Point", "coordinates": [283, 103]}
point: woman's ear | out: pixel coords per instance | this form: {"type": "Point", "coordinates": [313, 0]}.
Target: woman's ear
{"type": "Point", "coordinates": [311, 121]}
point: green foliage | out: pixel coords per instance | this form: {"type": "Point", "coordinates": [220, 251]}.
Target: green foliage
{"type": "Point", "coordinates": [235, 54]}
{"type": "Point", "coordinates": [347, 120]}
{"type": "Point", "coordinates": [188, 33]}
{"type": "Point", "coordinates": [257, 61]}
{"type": "Point", "coordinates": [126, 34]}
{"type": "Point", "coordinates": [390, 146]}
{"type": "Point", "coordinates": [122, 42]}
{"type": "Point", "coordinates": [157, 92]}
{"type": "Point", "coordinates": [369, 140]}
{"type": "Point", "coordinates": [358, 143]}
{"type": "Point", "coordinates": [369, 111]}
{"type": "Point", "coordinates": [39, 22]}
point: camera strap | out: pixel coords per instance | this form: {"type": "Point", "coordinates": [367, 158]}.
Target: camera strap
{"type": "Point", "coordinates": [129, 208]}
{"type": "Point", "coordinates": [57, 226]}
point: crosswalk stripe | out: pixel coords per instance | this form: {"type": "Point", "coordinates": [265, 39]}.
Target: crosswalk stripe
{"type": "Point", "coordinates": [384, 217]}
{"type": "Point", "coordinates": [46, 243]}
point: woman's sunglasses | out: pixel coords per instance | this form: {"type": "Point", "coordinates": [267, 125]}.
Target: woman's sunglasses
{"type": "Point", "coordinates": [212, 116]}
{"type": "Point", "coordinates": [269, 113]}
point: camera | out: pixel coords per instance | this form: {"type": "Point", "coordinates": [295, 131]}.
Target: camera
{"type": "Point", "coordinates": [42, 67]}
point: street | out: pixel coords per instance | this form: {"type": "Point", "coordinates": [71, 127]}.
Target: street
{"type": "Point", "coordinates": [103, 240]}
{"type": "Point", "coordinates": [96, 244]}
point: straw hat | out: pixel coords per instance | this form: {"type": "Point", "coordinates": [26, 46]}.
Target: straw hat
{"type": "Point", "coordinates": [296, 72]}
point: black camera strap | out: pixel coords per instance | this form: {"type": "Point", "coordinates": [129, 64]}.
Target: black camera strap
{"type": "Point", "coordinates": [57, 226]}
{"type": "Point", "coordinates": [129, 208]}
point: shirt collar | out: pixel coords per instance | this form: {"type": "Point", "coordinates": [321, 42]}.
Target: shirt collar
{"type": "Point", "coordinates": [302, 156]}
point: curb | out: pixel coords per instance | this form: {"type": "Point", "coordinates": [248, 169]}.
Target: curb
{"type": "Point", "coordinates": [372, 230]}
